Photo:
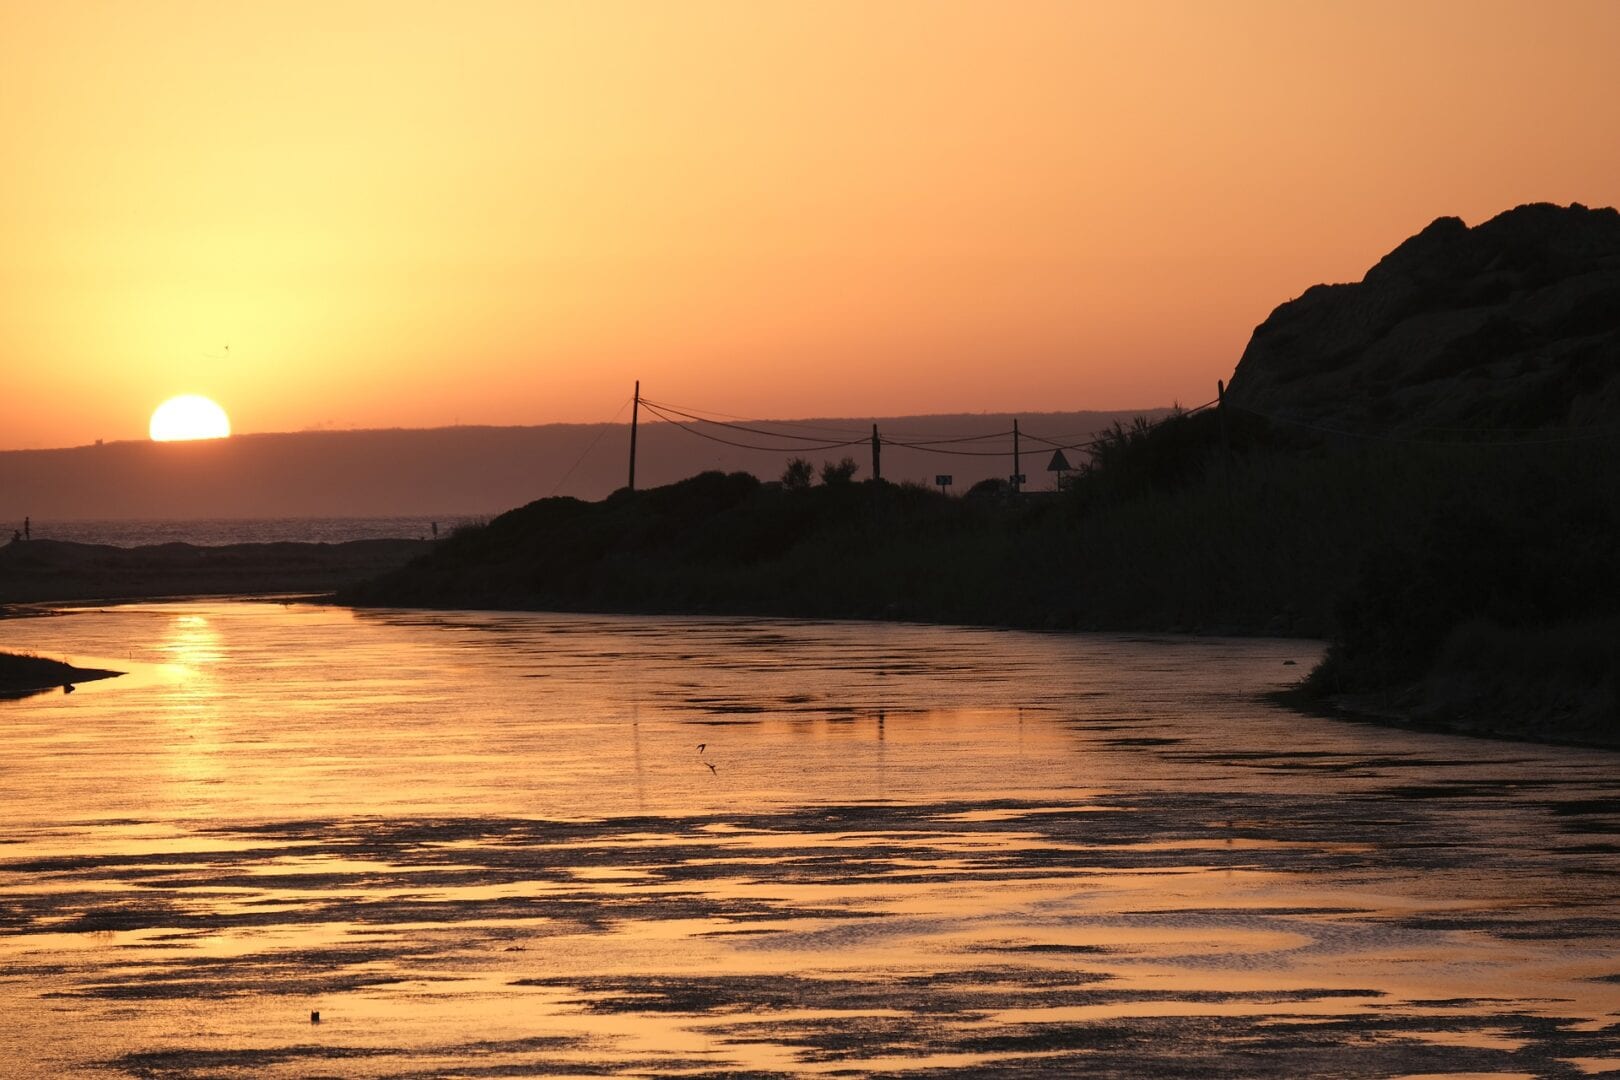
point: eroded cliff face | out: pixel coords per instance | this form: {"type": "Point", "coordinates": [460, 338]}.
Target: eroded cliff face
{"type": "Point", "coordinates": [1512, 324]}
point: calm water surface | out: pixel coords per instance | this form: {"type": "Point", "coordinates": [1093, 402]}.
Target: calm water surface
{"type": "Point", "coordinates": [488, 845]}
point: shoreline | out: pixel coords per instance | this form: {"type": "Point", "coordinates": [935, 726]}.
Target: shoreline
{"type": "Point", "coordinates": [1365, 709]}
{"type": "Point", "coordinates": [1350, 708]}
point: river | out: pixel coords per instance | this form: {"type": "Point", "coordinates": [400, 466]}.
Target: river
{"type": "Point", "coordinates": [495, 844]}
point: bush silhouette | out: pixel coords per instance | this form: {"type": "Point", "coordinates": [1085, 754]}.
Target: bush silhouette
{"type": "Point", "coordinates": [841, 473]}
{"type": "Point", "coordinates": [798, 474]}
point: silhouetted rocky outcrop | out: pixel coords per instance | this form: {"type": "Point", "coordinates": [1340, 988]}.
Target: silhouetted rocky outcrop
{"type": "Point", "coordinates": [1478, 369]}
{"type": "Point", "coordinates": [1511, 324]}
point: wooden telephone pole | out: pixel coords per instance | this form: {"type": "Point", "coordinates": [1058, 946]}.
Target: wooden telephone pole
{"type": "Point", "coordinates": [635, 414]}
{"type": "Point", "coordinates": [877, 455]}
{"type": "Point", "coordinates": [1018, 474]}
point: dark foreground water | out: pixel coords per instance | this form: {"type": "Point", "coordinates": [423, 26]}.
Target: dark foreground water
{"type": "Point", "coordinates": [487, 845]}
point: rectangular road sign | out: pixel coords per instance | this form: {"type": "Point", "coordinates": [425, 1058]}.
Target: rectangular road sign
{"type": "Point", "coordinates": [943, 479]}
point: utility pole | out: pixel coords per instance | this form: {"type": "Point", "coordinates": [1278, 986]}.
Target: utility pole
{"type": "Point", "coordinates": [877, 455]}
{"type": "Point", "coordinates": [635, 414]}
{"type": "Point", "coordinates": [1017, 482]}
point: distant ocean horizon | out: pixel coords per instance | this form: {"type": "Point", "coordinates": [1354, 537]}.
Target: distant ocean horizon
{"type": "Point", "coordinates": [217, 532]}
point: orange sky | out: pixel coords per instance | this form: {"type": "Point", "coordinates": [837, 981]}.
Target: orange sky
{"type": "Point", "coordinates": [418, 214]}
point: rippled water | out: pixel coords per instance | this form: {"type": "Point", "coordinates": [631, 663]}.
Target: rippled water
{"type": "Point", "coordinates": [488, 845]}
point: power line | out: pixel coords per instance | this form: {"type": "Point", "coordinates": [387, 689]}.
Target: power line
{"type": "Point", "coordinates": [929, 447]}
{"type": "Point", "coordinates": [1074, 442]}
{"type": "Point", "coordinates": [746, 446]}
{"type": "Point", "coordinates": [919, 443]}
{"type": "Point", "coordinates": [733, 427]}
{"type": "Point", "coordinates": [591, 447]}
{"type": "Point", "coordinates": [957, 453]}
{"type": "Point", "coordinates": [687, 418]}
{"type": "Point", "coordinates": [704, 415]}
{"type": "Point", "coordinates": [691, 411]}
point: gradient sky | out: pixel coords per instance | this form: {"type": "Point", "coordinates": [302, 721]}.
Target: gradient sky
{"type": "Point", "coordinates": [419, 214]}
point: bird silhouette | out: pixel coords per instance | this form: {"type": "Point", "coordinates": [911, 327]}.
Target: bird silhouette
{"type": "Point", "coordinates": [701, 745]}
{"type": "Point", "coordinates": [712, 768]}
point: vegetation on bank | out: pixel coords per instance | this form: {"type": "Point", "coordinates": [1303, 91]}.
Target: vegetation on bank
{"type": "Point", "coordinates": [1500, 611]}
{"type": "Point", "coordinates": [1472, 585]}
{"type": "Point", "coordinates": [1469, 584]}
{"type": "Point", "coordinates": [22, 674]}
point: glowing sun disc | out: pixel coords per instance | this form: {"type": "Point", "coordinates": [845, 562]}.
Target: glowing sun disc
{"type": "Point", "coordinates": [189, 416]}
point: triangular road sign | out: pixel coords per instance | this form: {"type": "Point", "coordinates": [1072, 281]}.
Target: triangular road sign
{"type": "Point", "coordinates": [1059, 463]}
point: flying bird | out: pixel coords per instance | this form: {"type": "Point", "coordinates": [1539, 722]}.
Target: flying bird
{"type": "Point", "coordinates": [701, 745]}
{"type": "Point", "coordinates": [712, 769]}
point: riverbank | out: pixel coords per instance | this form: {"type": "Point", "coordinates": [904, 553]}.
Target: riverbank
{"type": "Point", "coordinates": [38, 571]}
{"type": "Point", "coordinates": [21, 674]}
{"type": "Point", "coordinates": [1465, 588]}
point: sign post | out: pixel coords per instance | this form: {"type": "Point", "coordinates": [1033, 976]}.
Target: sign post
{"type": "Point", "coordinates": [1060, 465]}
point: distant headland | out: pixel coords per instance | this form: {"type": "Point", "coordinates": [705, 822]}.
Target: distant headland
{"type": "Point", "coordinates": [453, 472]}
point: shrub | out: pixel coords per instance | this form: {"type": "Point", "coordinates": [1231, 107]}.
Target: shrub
{"type": "Point", "coordinates": [798, 474]}
{"type": "Point", "coordinates": [841, 473]}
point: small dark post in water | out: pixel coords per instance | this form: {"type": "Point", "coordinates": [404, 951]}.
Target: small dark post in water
{"type": "Point", "coordinates": [1017, 476]}
{"type": "Point", "coordinates": [635, 414]}
{"type": "Point", "coordinates": [315, 1016]}
{"type": "Point", "coordinates": [877, 455]}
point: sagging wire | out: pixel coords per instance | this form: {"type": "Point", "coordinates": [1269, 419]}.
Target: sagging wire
{"type": "Point", "coordinates": [734, 427]}
{"type": "Point", "coordinates": [684, 426]}
{"type": "Point", "coordinates": [579, 460]}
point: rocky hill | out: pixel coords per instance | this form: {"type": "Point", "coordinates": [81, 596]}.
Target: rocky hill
{"type": "Point", "coordinates": [1511, 324]}
{"type": "Point", "coordinates": [1478, 370]}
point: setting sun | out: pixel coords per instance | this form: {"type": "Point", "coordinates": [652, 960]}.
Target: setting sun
{"type": "Point", "coordinates": [189, 416]}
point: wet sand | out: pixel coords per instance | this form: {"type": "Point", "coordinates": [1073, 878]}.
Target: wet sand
{"type": "Point", "coordinates": [487, 845]}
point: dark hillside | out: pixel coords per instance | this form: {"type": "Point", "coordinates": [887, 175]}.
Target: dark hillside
{"type": "Point", "coordinates": [729, 543]}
